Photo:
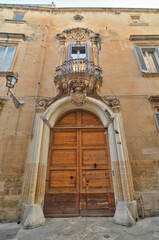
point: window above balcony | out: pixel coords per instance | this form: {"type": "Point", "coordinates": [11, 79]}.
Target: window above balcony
{"type": "Point", "coordinates": [79, 43]}
{"type": "Point", "coordinates": [78, 51]}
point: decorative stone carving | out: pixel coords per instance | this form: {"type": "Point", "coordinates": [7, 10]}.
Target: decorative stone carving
{"type": "Point", "coordinates": [78, 35]}
{"type": "Point", "coordinates": [43, 103]}
{"type": "Point", "coordinates": [78, 86]}
{"type": "Point", "coordinates": [78, 66]}
{"type": "Point", "coordinates": [112, 102]}
{"type": "Point", "coordinates": [78, 92]}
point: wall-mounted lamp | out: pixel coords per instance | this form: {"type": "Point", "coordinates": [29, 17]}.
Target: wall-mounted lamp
{"type": "Point", "coordinates": [11, 80]}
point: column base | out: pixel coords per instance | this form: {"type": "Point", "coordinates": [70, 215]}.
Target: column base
{"type": "Point", "coordinates": [126, 213]}
{"type": "Point", "coordinates": [32, 216]}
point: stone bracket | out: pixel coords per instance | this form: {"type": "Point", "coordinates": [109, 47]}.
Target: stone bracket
{"type": "Point", "coordinates": [154, 100]}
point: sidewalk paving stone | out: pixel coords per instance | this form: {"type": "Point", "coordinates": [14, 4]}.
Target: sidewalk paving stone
{"type": "Point", "coordinates": [83, 228]}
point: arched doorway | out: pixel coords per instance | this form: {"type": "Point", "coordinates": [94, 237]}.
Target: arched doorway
{"type": "Point", "coordinates": [79, 176]}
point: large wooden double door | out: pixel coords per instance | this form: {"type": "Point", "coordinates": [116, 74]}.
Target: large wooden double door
{"type": "Point", "coordinates": [79, 179]}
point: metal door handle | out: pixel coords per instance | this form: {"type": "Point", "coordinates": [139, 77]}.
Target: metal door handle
{"type": "Point", "coordinates": [71, 177]}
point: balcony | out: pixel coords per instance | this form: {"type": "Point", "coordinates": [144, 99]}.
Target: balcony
{"type": "Point", "coordinates": [78, 66]}
{"type": "Point", "coordinates": [78, 78]}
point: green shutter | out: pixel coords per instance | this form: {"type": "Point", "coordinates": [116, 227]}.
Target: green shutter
{"type": "Point", "coordinates": [140, 58]}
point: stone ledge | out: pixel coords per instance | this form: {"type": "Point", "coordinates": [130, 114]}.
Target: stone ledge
{"type": "Point", "coordinates": [12, 35]}
{"type": "Point", "coordinates": [15, 21]}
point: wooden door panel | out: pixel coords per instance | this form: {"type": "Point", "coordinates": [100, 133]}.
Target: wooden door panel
{"type": "Point", "coordinates": [64, 138]}
{"type": "Point", "coordinates": [63, 158]}
{"type": "Point", "coordinates": [68, 120]}
{"type": "Point", "coordinates": [90, 120]}
{"type": "Point", "coordinates": [60, 205]}
{"type": "Point", "coordinates": [97, 204]}
{"type": "Point", "coordinates": [96, 180]}
{"type": "Point", "coordinates": [94, 201]}
{"type": "Point", "coordinates": [93, 138]}
{"type": "Point", "coordinates": [62, 179]}
{"type": "Point", "coordinates": [91, 156]}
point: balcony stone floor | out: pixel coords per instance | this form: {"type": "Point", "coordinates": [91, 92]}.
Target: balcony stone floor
{"type": "Point", "coordinates": [83, 228]}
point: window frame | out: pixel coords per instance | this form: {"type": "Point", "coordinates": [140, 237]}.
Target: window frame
{"type": "Point", "coordinates": [18, 14]}
{"type": "Point", "coordinates": [79, 48]}
{"type": "Point", "coordinates": [9, 44]}
{"type": "Point", "coordinates": [140, 21]}
{"type": "Point", "coordinates": [156, 120]}
{"type": "Point", "coordinates": [71, 45]}
{"type": "Point", "coordinates": [12, 20]}
{"type": "Point", "coordinates": [78, 18]}
{"type": "Point", "coordinates": [139, 49]}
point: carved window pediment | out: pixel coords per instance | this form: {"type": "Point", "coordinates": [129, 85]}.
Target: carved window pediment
{"type": "Point", "coordinates": [78, 35]}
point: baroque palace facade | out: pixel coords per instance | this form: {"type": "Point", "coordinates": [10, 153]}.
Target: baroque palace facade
{"type": "Point", "coordinates": [82, 139]}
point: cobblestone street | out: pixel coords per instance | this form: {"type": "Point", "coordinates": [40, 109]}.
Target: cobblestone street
{"type": "Point", "coordinates": [82, 228]}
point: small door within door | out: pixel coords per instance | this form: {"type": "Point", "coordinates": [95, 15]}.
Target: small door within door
{"type": "Point", "coordinates": [79, 180]}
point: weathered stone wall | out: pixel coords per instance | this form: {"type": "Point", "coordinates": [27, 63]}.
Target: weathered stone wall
{"type": "Point", "coordinates": [16, 123]}
{"type": "Point", "coordinates": [121, 77]}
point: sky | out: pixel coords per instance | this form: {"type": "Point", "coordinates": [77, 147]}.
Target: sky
{"type": "Point", "coordinates": [90, 3]}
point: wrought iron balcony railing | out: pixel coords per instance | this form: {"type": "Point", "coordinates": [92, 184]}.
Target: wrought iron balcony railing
{"type": "Point", "coordinates": [78, 66]}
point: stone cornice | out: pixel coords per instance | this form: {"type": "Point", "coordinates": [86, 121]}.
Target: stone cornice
{"type": "Point", "coordinates": [49, 8]}
{"type": "Point", "coordinates": [15, 21]}
{"type": "Point", "coordinates": [12, 35]}
{"type": "Point", "coordinates": [144, 37]}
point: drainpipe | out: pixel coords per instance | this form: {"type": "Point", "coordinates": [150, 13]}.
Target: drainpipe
{"type": "Point", "coordinates": [39, 78]}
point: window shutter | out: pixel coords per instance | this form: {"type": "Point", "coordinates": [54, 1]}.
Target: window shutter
{"type": "Point", "coordinates": [2, 54]}
{"type": "Point", "coordinates": [69, 51]}
{"type": "Point", "coordinates": [140, 58]}
{"type": "Point", "coordinates": [156, 116]}
{"type": "Point", "coordinates": [157, 50]}
{"type": "Point", "coordinates": [87, 50]}
{"type": "Point", "coordinates": [69, 63]}
{"type": "Point", "coordinates": [157, 54]}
